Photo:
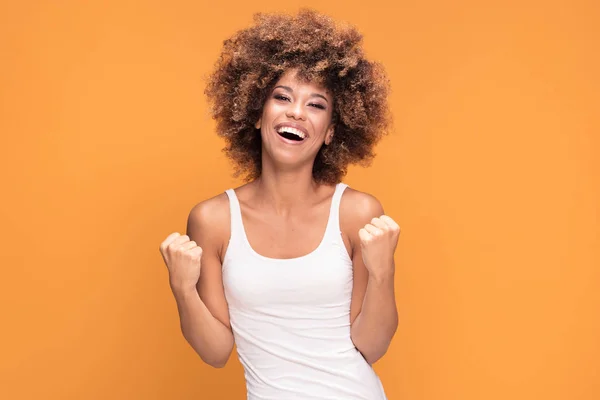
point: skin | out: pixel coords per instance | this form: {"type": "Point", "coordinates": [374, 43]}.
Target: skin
{"type": "Point", "coordinates": [285, 214]}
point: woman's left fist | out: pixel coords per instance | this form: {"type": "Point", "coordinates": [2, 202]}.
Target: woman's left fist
{"type": "Point", "coordinates": [378, 242]}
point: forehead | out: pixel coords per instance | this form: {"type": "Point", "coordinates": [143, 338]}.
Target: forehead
{"type": "Point", "coordinates": [291, 79]}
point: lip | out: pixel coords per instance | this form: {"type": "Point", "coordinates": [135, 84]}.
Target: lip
{"type": "Point", "coordinates": [288, 141]}
{"type": "Point", "coordinates": [292, 125]}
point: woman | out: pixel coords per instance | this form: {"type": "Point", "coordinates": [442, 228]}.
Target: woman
{"type": "Point", "coordinates": [294, 267]}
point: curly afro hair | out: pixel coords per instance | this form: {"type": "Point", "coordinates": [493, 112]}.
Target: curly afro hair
{"type": "Point", "coordinates": [321, 51]}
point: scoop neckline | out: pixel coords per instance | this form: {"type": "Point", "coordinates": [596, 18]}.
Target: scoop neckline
{"type": "Point", "coordinates": [302, 257]}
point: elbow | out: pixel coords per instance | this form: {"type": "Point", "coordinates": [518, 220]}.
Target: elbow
{"type": "Point", "coordinates": [372, 349]}
{"type": "Point", "coordinates": [364, 349]}
{"type": "Point", "coordinates": [216, 360]}
{"type": "Point", "coordinates": [371, 356]}
{"type": "Point", "coordinates": [215, 363]}
{"type": "Point", "coordinates": [371, 360]}
{"type": "Point", "coordinates": [215, 356]}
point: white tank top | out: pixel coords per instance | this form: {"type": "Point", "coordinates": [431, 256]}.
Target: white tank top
{"type": "Point", "coordinates": [291, 318]}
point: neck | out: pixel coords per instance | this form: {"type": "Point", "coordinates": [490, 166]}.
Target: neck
{"type": "Point", "coordinates": [285, 190]}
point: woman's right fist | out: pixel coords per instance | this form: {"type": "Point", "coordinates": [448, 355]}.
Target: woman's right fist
{"type": "Point", "coordinates": [182, 257]}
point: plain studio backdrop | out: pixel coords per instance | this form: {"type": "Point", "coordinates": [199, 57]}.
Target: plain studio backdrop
{"type": "Point", "coordinates": [492, 172]}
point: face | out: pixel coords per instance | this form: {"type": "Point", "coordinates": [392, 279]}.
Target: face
{"type": "Point", "coordinates": [296, 120]}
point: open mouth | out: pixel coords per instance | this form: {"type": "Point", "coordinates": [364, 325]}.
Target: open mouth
{"type": "Point", "coordinates": [291, 133]}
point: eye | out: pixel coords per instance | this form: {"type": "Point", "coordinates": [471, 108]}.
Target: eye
{"type": "Point", "coordinates": [317, 105]}
{"type": "Point", "coordinates": [281, 97]}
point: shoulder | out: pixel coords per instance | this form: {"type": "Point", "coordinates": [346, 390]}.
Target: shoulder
{"type": "Point", "coordinates": [210, 211]}
{"type": "Point", "coordinates": [208, 222]}
{"type": "Point", "coordinates": [356, 210]}
{"type": "Point", "coordinates": [359, 207]}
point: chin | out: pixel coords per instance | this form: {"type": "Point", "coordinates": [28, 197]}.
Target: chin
{"type": "Point", "coordinates": [283, 159]}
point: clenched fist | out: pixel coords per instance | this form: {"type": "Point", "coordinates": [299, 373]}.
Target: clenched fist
{"type": "Point", "coordinates": [378, 242]}
{"type": "Point", "coordinates": [182, 257]}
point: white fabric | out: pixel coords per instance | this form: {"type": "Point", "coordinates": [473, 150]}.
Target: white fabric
{"type": "Point", "coordinates": [291, 318]}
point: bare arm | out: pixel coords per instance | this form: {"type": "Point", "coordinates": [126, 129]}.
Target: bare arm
{"type": "Point", "coordinates": [203, 311]}
{"type": "Point", "coordinates": [373, 312]}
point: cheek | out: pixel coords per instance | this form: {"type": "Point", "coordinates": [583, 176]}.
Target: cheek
{"type": "Point", "coordinates": [322, 124]}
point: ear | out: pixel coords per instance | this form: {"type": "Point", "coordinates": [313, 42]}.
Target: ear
{"type": "Point", "coordinates": [329, 134]}
{"type": "Point", "coordinates": [258, 124]}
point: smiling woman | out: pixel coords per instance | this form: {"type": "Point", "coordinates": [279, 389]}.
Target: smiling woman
{"type": "Point", "coordinates": [292, 130]}
{"type": "Point", "coordinates": [293, 267]}
{"type": "Point", "coordinates": [322, 51]}
{"type": "Point", "coordinates": [298, 113]}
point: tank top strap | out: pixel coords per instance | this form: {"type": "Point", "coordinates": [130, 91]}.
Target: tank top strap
{"type": "Point", "coordinates": [235, 212]}
{"type": "Point", "coordinates": [333, 225]}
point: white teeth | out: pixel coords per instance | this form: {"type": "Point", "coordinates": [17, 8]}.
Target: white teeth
{"type": "Point", "coordinates": [291, 130]}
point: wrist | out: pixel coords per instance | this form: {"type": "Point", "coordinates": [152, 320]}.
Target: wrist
{"type": "Point", "coordinates": [381, 277]}
{"type": "Point", "coordinates": [183, 292]}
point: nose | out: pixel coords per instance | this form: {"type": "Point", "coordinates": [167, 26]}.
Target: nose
{"type": "Point", "coordinates": [296, 111]}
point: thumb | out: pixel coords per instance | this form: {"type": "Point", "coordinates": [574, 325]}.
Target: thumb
{"type": "Point", "coordinates": [364, 236]}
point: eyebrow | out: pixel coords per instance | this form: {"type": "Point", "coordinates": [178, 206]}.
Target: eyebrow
{"type": "Point", "coordinates": [289, 89]}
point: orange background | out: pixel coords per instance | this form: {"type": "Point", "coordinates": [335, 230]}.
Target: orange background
{"type": "Point", "coordinates": [493, 173]}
